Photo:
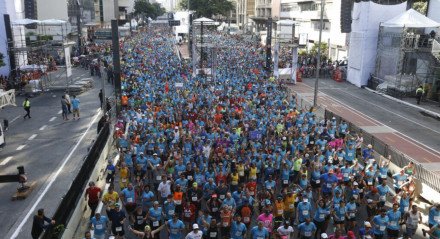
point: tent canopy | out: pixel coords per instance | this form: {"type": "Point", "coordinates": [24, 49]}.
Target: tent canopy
{"type": "Point", "coordinates": [54, 22]}
{"type": "Point", "coordinates": [25, 21]}
{"type": "Point", "coordinates": [203, 19]}
{"type": "Point", "coordinates": [411, 19]}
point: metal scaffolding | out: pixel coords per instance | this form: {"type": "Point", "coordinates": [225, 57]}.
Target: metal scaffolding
{"type": "Point", "coordinates": [38, 46]}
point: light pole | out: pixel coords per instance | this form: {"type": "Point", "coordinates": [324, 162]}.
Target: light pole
{"type": "Point", "coordinates": [318, 63]}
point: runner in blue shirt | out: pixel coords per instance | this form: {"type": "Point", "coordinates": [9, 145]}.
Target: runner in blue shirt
{"type": "Point", "coordinates": [328, 180]}
{"type": "Point", "coordinates": [238, 229]}
{"type": "Point", "coordinates": [380, 223]}
{"type": "Point", "coordinates": [393, 227]}
{"type": "Point", "coordinates": [259, 232]}
{"type": "Point", "coordinates": [434, 215]}
{"type": "Point", "coordinates": [175, 227]}
{"type": "Point", "coordinates": [99, 224]}
{"type": "Point", "coordinates": [304, 209]}
{"type": "Point", "coordinates": [307, 229]}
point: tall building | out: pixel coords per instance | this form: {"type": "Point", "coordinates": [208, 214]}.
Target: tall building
{"type": "Point", "coordinates": [30, 9]}
{"type": "Point", "coordinates": [263, 11]}
{"type": "Point", "coordinates": [57, 9]}
{"type": "Point", "coordinates": [307, 15]}
{"type": "Point", "coordinates": [245, 9]}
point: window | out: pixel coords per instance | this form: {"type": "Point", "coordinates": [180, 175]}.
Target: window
{"type": "Point", "coordinates": [288, 7]}
{"type": "Point", "coordinates": [317, 24]}
{"type": "Point", "coordinates": [309, 6]}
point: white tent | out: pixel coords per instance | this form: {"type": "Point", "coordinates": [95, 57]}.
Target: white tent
{"type": "Point", "coordinates": [25, 21]}
{"type": "Point", "coordinates": [53, 22]}
{"type": "Point", "coordinates": [203, 19]}
{"type": "Point", "coordinates": [411, 19]}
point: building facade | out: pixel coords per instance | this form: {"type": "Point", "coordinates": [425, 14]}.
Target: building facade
{"type": "Point", "coordinates": [245, 10]}
{"type": "Point", "coordinates": [307, 15]}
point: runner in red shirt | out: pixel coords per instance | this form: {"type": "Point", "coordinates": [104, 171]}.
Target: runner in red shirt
{"type": "Point", "coordinates": [93, 193]}
{"type": "Point", "coordinates": [189, 214]}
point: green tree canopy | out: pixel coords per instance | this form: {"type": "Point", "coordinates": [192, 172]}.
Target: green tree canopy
{"type": "Point", "coordinates": [421, 6]}
{"type": "Point", "coordinates": [208, 8]}
{"type": "Point", "coordinates": [324, 50]}
{"type": "Point", "coordinates": [144, 7]}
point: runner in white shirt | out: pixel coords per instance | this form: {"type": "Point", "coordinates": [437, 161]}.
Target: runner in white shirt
{"type": "Point", "coordinates": [195, 233]}
{"type": "Point", "coordinates": [164, 188]}
{"type": "Point", "coordinates": [285, 231]}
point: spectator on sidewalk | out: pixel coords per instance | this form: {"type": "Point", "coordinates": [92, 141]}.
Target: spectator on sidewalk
{"type": "Point", "coordinates": [39, 225]}
{"type": "Point", "coordinates": [27, 108]}
{"type": "Point", "coordinates": [75, 107]}
{"type": "Point", "coordinates": [419, 93]}
{"type": "Point", "coordinates": [69, 103]}
{"type": "Point", "coordinates": [64, 107]}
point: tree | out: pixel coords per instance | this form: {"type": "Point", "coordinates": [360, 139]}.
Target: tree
{"type": "Point", "coordinates": [208, 8]}
{"type": "Point", "coordinates": [324, 50]}
{"type": "Point", "coordinates": [144, 7]}
{"type": "Point", "coordinates": [421, 6]}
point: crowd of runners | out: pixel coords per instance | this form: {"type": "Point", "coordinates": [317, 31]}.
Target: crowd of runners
{"type": "Point", "coordinates": [235, 157]}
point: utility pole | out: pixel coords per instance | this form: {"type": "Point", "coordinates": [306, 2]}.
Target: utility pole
{"type": "Point", "coordinates": [201, 45]}
{"type": "Point", "coordinates": [78, 25]}
{"type": "Point", "coordinates": [268, 44]}
{"type": "Point", "coordinates": [318, 63]}
{"type": "Point", "coordinates": [116, 65]}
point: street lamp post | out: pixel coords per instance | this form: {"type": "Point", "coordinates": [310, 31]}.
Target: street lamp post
{"type": "Point", "coordinates": [318, 63]}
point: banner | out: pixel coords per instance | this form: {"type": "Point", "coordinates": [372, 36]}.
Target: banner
{"type": "Point", "coordinates": [303, 39]}
{"type": "Point", "coordinates": [276, 73]}
{"type": "Point", "coordinates": [294, 63]}
{"type": "Point", "coordinates": [68, 63]}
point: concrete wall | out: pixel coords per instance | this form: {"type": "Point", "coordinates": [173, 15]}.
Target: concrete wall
{"type": "Point", "coordinates": [52, 9]}
{"type": "Point", "coordinates": [98, 177]}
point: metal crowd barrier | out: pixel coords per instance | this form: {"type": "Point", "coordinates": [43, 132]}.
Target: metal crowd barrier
{"type": "Point", "coordinates": [71, 198]}
{"type": "Point", "coordinates": [400, 159]}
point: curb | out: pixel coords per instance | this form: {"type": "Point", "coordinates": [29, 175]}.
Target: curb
{"type": "Point", "coordinates": [423, 110]}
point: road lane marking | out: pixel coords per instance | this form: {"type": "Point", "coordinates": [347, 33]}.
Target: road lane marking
{"type": "Point", "coordinates": [43, 127]}
{"type": "Point", "coordinates": [14, 119]}
{"type": "Point", "coordinates": [52, 179]}
{"type": "Point", "coordinates": [32, 136]}
{"type": "Point", "coordinates": [6, 160]}
{"type": "Point", "coordinates": [52, 119]}
{"type": "Point", "coordinates": [59, 112]}
{"type": "Point", "coordinates": [21, 147]}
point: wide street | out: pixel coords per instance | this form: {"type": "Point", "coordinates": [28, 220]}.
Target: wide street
{"type": "Point", "coordinates": [50, 149]}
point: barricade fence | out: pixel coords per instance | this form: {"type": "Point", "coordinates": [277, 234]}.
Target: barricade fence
{"type": "Point", "coordinates": [398, 158]}
{"type": "Point", "coordinates": [71, 198]}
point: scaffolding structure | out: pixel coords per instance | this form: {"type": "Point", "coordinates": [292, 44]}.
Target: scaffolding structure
{"type": "Point", "coordinates": [406, 58]}
{"type": "Point", "coordinates": [203, 49]}
{"type": "Point", "coordinates": [285, 51]}
{"type": "Point", "coordinates": [38, 47]}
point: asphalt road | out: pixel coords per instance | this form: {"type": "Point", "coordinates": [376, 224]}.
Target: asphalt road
{"type": "Point", "coordinates": [44, 145]}
{"type": "Point", "coordinates": [404, 119]}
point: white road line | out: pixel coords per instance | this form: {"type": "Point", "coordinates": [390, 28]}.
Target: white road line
{"type": "Point", "coordinates": [4, 162]}
{"type": "Point", "coordinates": [43, 127]}
{"type": "Point", "coordinates": [52, 119]}
{"type": "Point", "coordinates": [59, 112]}
{"type": "Point", "coordinates": [32, 136]}
{"type": "Point", "coordinates": [21, 147]}
{"type": "Point", "coordinates": [52, 179]}
{"type": "Point", "coordinates": [14, 119]}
